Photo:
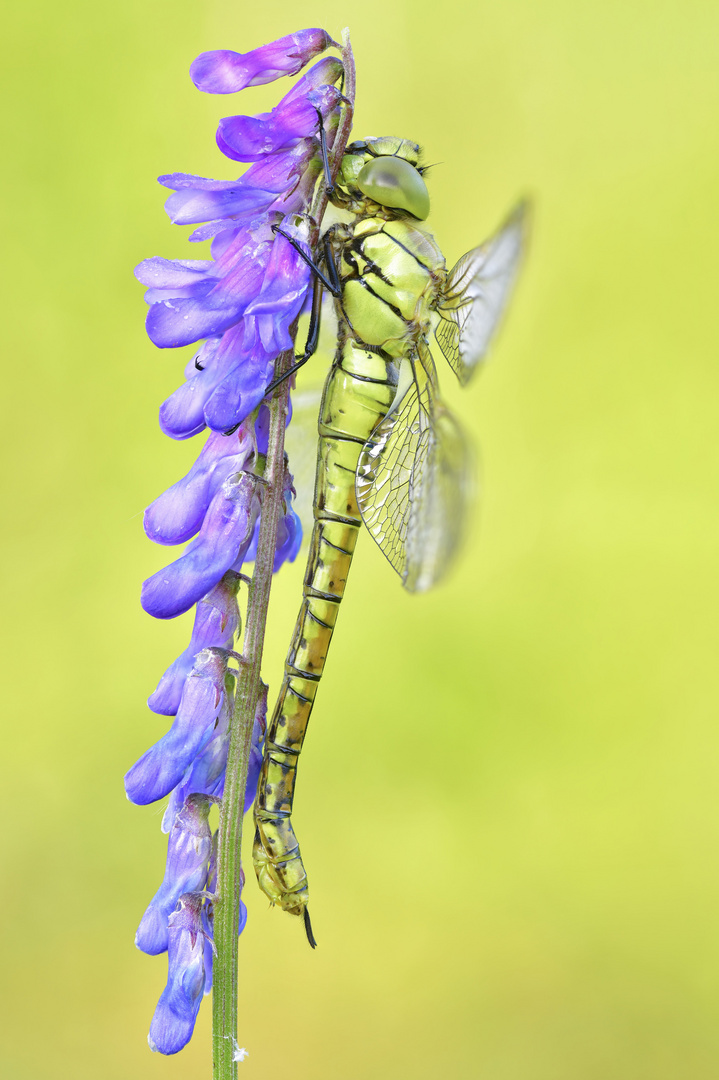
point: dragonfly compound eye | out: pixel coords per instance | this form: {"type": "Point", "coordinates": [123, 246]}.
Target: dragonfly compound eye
{"type": "Point", "coordinates": [392, 181]}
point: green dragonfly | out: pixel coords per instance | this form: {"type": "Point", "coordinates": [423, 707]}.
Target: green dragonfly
{"type": "Point", "coordinates": [398, 463]}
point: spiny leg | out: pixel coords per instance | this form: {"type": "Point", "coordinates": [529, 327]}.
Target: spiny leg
{"type": "Point", "coordinates": [329, 186]}
{"type": "Point", "coordinates": [313, 335]}
{"type": "Point", "coordinates": [332, 286]}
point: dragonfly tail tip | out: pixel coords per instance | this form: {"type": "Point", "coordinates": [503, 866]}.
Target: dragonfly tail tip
{"type": "Point", "coordinates": [308, 929]}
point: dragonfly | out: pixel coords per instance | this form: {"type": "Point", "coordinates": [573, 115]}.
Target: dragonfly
{"type": "Point", "coordinates": [396, 462]}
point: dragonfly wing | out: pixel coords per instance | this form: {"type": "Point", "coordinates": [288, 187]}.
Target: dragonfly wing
{"type": "Point", "coordinates": [414, 480]}
{"type": "Point", "coordinates": [475, 295]}
{"type": "Point", "coordinates": [301, 448]}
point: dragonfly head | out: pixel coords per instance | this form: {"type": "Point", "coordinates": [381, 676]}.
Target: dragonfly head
{"type": "Point", "coordinates": [385, 172]}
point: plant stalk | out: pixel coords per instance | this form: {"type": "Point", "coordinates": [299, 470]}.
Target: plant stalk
{"type": "Point", "coordinates": [227, 897]}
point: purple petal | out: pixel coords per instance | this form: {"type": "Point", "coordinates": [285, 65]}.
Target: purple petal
{"type": "Point", "coordinates": [241, 391]}
{"type": "Point", "coordinates": [178, 513]}
{"type": "Point", "coordinates": [225, 531]}
{"type": "Point", "coordinates": [188, 854]}
{"type": "Point", "coordinates": [217, 623]}
{"type": "Point", "coordinates": [207, 774]}
{"type": "Point", "coordinates": [250, 138]}
{"type": "Point", "coordinates": [182, 414]}
{"type": "Point", "coordinates": [225, 72]}
{"type": "Point", "coordinates": [180, 180]}
{"type": "Point", "coordinates": [190, 206]}
{"type": "Point", "coordinates": [325, 72]}
{"type": "Point", "coordinates": [168, 273]}
{"type": "Point", "coordinates": [174, 322]}
{"type": "Point", "coordinates": [289, 539]}
{"type": "Point", "coordinates": [174, 1019]}
{"type": "Point", "coordinates": [161, 768]}
{"type": "Point", "coordinates": [180, 321]}
{"type": "Point", "coordinates": [284, 286]}
{"type": "Point", "coordinates": [289, 529]}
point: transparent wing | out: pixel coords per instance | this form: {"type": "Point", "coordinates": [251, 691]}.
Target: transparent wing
{"type": "Point", "coordinates": [301, 448]}
{"type": "Point", "coordinates": [301, 434]}
{"type": "Point", "coordinates": [475, 295]}
{"type": "Point", "coordinates": [414, 480]}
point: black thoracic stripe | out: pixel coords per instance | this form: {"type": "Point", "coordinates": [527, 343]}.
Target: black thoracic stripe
{"type": "Point", "coordinates": [382, 300]}
{"type": "Point", "coordinates": [357, 248]}
{"type": "Point", "coordinates": [401, 245]}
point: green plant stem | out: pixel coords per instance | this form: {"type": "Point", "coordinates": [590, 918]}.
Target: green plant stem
{"type": "Point", "coordinates": [227, 895]}
{"type": "Point", "coordinates": [227, 902]}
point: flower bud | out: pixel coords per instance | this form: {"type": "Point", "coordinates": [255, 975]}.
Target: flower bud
{"type": "Point", "coordinates": [222, 71]}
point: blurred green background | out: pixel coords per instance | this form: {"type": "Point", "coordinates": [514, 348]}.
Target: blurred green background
{"type": "Point", "coordinates": [532, 749]}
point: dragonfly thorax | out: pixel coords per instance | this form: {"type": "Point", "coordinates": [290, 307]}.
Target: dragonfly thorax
{"type": "Point", "coordinates": [391, 272]}
{"type": "Point", "coordinates": [382, 177]}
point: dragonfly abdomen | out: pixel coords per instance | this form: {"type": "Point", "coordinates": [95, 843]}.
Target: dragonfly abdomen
{"type": "Point", "coordinates": [359, 392]}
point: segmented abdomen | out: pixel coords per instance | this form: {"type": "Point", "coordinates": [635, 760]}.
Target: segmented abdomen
{"type": "Point", "coordinates": [358, 394]}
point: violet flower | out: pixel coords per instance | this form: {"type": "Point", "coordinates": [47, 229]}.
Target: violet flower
{"type": "Point", "coordinates": [217, 623]}
{"type": "Point", "coordinates": [162, 767]}
{"type": "Point", "coordinates": [225, 72]}
{"type": "Point", "coordinates": [189, 847]}
{"type": "Point", "coordinates": [174, 1019]}
{"type": "Point", "coordinates": [206, 774]}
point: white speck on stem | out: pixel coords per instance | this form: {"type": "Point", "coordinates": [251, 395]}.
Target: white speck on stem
{"type": "Point", "coordinates": [238, 1052]}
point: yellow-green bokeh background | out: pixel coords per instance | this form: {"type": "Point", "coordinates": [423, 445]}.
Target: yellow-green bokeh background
{"type": "Point", "coordinates": [507, 802]}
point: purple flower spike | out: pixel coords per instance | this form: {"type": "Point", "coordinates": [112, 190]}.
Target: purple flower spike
{"type": "Point", "coordinates": [188, 855]}
{"type": "Point", "coordinates": [176, 1012]}
{"type": "Point", "coordinates": [221, 542]}
{"type": "Point", "coordinates": [217, 623]}
{"type": "Point", "coordinates": [250, 138]}
{"type": "Point", "coordinates": [178, 513]}
{"type": "Point", "coordinates": [239, 305]}
{"type": "Point", "coordinates": [225, 72]}
{"type": "Point", "coordinates": [161, 768]}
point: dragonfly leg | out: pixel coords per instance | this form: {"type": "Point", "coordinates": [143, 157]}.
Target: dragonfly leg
{"type": "Point", "coordinates": [313, 335]}
{"type": "Point", "coordinates": [332, 271]}
{"type": "Point", "coordinates": [333, 287]}
{"type": "Point", "coordinates": [329, 186]}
